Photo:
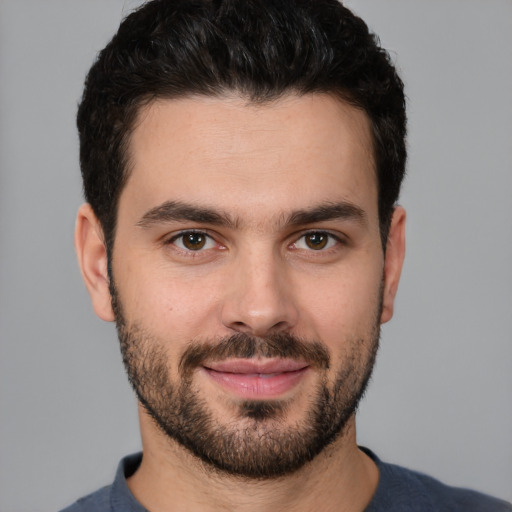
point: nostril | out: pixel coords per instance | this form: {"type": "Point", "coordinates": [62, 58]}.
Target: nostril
{"type": "Point", "coordinates": [259, 330]}
{"type": "Point", "coordinates": [279, 326]}
{"type": "Point", "coordinates": [240, 326]}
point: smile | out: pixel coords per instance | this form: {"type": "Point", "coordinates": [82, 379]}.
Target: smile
{"type": "Point", "coordinates": [257, 380]}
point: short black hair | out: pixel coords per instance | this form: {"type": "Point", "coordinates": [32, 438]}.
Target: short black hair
{"type": "Point", "coordinates": [261, 49]}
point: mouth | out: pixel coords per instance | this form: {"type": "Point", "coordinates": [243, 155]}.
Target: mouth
{"type": "Point", "coordinates": [257, 379]}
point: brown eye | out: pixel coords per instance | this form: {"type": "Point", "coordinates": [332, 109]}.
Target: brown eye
{"type": "Point", "coordinates": [316, 241]}
{"type": "Point", "coordinates": [194, 241]}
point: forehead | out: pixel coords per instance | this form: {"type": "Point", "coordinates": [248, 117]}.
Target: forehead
{"type": "Point", "coordinates": [256, 158]}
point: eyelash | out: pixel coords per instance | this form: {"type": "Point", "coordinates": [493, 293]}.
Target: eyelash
{"type": "Point", "coordinates": [331, 243]}
{"type": "Point", "coordinates": [209, 239]}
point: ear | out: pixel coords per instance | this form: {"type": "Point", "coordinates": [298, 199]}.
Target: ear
{"type": "Point", "coordinates": [394, 258]}
{"type": "Point", "coordinates": [92, 259]}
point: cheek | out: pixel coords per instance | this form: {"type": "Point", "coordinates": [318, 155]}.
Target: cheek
{"type": "Point", "coordinates": [173, 307]}
{"type": "Point", "coordinates": [342, 306]}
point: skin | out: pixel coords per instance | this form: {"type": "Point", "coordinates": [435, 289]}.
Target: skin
{"type": "Point", "coordinates": [258, 165]}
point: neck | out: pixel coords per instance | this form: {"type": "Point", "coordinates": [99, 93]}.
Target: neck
{"type": "Point", "coordinates": [170, 478]}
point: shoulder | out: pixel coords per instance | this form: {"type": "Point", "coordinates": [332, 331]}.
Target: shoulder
{"type": "Point", "coordinates": [401, 489]}
{"type": "Point", "coordinates": [439, 496]}
{"type": "Point", "coordinates": [115, 497]}
{"type": "Point", "coordinates": [98, 501]}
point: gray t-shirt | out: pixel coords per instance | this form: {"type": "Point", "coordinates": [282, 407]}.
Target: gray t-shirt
{"type": "Point", "coordinates": [398, 490]}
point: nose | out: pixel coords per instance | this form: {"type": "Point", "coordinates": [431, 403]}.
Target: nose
{"type": "Point", "coordinates": [259, 299]}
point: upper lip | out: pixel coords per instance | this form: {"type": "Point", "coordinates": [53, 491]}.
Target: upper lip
{"type": "Point", "coordinates": [252, 366]}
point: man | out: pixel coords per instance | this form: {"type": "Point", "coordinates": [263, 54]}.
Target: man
{"type": "Point", "coordinates": [242, 163]}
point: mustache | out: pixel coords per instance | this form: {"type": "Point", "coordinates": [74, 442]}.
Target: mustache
{"type": "Point", "coordinates": [245, 346]}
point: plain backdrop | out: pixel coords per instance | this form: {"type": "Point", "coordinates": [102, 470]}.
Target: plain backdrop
{"type": "Point", "coordinates": [441, 396]}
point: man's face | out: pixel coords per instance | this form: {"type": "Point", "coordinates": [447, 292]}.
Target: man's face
{"type": "Point", "coordinates": [248, 275]}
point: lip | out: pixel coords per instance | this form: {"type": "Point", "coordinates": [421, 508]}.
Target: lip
{"type": "Point", "coordinates": [257, 379]}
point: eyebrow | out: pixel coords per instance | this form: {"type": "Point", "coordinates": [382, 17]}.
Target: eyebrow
{"type": "Point", "coordinates": [330, 211]}
{"type": "Point", "coordinates": [177, 211]}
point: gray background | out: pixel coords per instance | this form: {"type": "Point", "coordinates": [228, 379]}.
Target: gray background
{"type": "Point", "coordinates": [441, 397]}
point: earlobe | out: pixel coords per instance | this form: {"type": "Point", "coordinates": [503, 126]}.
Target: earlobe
{"type": "Point", "coordinates": [394, 258]}
{"type": "Point", "coordinates": [92, 259]}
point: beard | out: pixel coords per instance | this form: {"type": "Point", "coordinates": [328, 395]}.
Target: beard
{"type": "Point", "coordinates": [258, 442]}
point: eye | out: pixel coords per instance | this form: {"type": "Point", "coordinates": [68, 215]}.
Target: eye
{"type": "Point", "coordinates": [193, 241]}
{"type": "Point", "coordinates": [316, 241]}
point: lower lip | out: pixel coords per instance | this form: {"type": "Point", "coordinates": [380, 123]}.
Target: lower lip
{"type": "Point", "coordinates": [257, 386]}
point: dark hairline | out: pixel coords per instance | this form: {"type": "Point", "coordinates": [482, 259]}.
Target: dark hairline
{"type": "Point", "coordinates": [166, 50]}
